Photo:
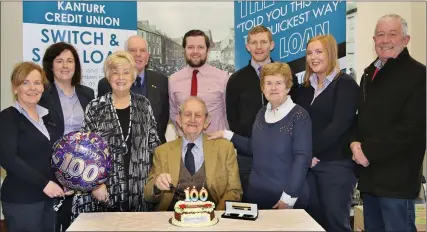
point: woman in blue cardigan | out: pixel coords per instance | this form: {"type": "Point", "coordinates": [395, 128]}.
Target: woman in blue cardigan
{"type": "Point", "coordinates": [330, 97]}
{"type": "Point", "coordinates": [280, 145]}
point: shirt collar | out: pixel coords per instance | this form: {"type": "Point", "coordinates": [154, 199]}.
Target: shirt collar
{"type": "Point", "coordinates": [60, 91]}
{"type": "Point", "coordinates": [142, 74]}
{"type": "Point", "coordinates": [284, 105]}
{"type": "Point", "coordinates": [256, 66]}
{"type": "Point", "coordinates": [328, 79]}
{"type": "Point", "coordinates": [202, 69]}
{"type": "Point", "coordinates": [198, 143]}
{"type": "Point", "coordinates": [41, 111]}
{"type": "Point", "coordinates": [378, 64]}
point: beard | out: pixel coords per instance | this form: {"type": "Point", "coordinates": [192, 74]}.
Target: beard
{"type": "Point", "coordinates": [192, 64]}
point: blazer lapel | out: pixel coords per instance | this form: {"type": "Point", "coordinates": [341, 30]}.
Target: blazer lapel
{"type": "Point", "coordinates": [56, 103]}
{"type": "Point", "coordinates": [82, 98]}
{"type": "Point", "coordinates": [174, 161]}
{"type": "Point", "coordinates": [50, 126]}
{"type": "Point", "coordinates": [210, 154]}
{"type": "Point", "coordinates": [151, 89]}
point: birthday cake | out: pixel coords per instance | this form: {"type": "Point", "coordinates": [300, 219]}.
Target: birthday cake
{"type": "Point", "coordinates": [194, 213]}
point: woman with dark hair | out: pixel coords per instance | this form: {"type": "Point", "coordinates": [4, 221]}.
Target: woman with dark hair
{"type": "Point", "coordinates": [66, 101]}
{"type": "Point", "coordinates": [25, 151]}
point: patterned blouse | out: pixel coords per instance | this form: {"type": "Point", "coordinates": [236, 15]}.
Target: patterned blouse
{"type": "Point", "coordinates": [100, 117]}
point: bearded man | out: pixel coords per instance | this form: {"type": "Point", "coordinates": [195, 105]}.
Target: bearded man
{"type": "Point", "coordinates": [199, 79]}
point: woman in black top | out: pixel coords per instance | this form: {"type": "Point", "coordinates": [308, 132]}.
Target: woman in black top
{"type": "Point", "coordinates": [66, 100]}
{"type": "Point", "coordinates": [330, 97]}
{"type": "Point", "coordinates": [126, 121]}
{"type": "Point", "coordinates": [25, 151]}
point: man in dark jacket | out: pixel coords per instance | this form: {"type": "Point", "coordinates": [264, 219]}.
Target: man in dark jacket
{"type": "Point", "coordinates": [243, 93]}
{"type": "Point", "coordinates": [390, 137]}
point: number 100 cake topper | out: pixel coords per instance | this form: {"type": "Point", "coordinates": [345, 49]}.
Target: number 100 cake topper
{"type": "Point", "coordinates": [194, 195]}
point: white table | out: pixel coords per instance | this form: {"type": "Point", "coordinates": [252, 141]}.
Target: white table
{"type": "Point", "coordinates": [273, 220]}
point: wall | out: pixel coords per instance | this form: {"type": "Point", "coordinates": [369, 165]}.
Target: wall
{"type": "Point", "coordinates": [11, 46]}
{"type": "Point", "coordinates": [11, 51]}
{"type": "Point", "coordinates": [367, 15]}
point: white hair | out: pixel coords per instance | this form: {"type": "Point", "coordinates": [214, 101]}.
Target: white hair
{"type": "Point", "coordinates": [205, 108]}
{"type": "Point", "coordinates": [126, 48]}
{"type": "Point", "coordinates": [403, 22]}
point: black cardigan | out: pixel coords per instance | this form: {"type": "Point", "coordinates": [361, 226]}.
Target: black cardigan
{"type": "Point", "coordinates": [25, 154]}
{"type": "Point", "coordinates": [332, 113]}
{"type": "Point", "coordinates": [392, 127]}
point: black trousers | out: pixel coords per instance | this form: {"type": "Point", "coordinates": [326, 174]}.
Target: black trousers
{"type": "Point", "coordinates": [331, 185]}
{"type": "Point", "coordinates": [63, 216]}
{"type": "Point", "coordinates": [34, 217]}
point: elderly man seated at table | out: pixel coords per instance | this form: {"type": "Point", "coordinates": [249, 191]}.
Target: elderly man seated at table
{"type": "Point", "coordinates": [192, 160]}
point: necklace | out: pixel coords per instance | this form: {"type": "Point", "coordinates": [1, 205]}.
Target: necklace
{"type": "Point", "coordinates": [113, 108]}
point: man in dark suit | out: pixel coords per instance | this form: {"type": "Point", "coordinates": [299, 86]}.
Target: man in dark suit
{"type": "Point", "coordinates": [153, 85]}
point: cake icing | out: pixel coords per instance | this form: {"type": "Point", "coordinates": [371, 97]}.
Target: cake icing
{"type": "Point", "coordinates": [194, 214]}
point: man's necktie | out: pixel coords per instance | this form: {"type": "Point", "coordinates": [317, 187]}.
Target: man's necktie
{"type": "Point", "coordinates": [194, 83]}
{"type": "Point", "coordinates": [259, 71]}
{"type": "Point", "coordinates": [189, 159]}
{"type": "Point", "coordinates": [138, 82]}
{"type": "Point", "coordinates": [375, 73]}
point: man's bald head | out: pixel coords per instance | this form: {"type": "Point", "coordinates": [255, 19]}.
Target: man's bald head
{"type": "Point", "coordinates": [138, 47]}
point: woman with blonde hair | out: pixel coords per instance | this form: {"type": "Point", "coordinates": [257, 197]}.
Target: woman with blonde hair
{"type": "Point", "coordinates": [25, 152]}
{"type": "Point", "coordinates": [331, 98]}
{"type": "Point", "coordinates": [125, 120]}
{"type": "Point", "coordinates": [280, 145]}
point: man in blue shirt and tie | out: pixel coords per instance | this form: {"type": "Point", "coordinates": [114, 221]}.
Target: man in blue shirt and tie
{"type": "Point", "coordinates": [192, 160]}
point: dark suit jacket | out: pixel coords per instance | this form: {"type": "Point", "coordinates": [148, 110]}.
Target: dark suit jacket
{"type": "Point", "coordinates": [157, 94]}
{"type": "Point", "coordinates": [50, 100]}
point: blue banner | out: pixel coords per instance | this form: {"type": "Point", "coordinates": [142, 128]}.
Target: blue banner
{"type": "Point", "coordinates": [291, 23]}
{"type": "Point", "coordinates": [115, 15]}
{"type": "Point", "coordinates": [94, 28]}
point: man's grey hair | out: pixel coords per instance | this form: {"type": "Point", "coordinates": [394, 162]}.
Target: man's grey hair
{"type": "Point", "coordinates": [205, 108]}
{"type": "Point", "coordinates": [403, 22]}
